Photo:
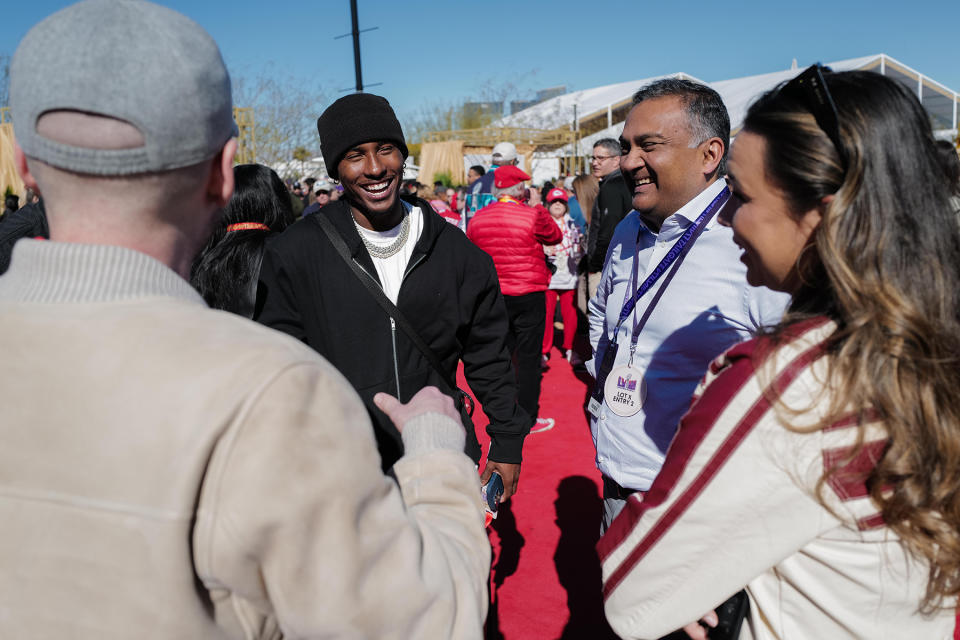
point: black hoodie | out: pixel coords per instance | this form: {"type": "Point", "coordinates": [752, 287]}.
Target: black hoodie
{"type": "Point", "coordinates": [450, 294]}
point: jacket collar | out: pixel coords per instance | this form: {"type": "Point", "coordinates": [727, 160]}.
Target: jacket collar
{"type": "Point", "coordinates": [612, 174]}
{"type": "Point", "coordinates": [53, 272]}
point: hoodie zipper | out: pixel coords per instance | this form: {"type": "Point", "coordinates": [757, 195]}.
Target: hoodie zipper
{"type": "Point", "coordinates": [396, 365]}
{"type": "Point", "coordinates": [393, 323]}
{"type": "Point", "coordinates": [393, 332]}
{"type": "Point", "coordinates": [410, 267]}
{"type": "Point", "coordinates": [393, 335]}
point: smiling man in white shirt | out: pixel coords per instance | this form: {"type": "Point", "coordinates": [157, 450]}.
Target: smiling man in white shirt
{"type": "Point", "coordinates": [651, 349]}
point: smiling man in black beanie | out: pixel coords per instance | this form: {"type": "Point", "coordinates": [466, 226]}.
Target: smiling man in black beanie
{"type": "Point", "coordinates": [445, 287]}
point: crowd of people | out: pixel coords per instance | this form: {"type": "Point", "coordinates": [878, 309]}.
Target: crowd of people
{"type": "Point", "coordinates": [231, 406]}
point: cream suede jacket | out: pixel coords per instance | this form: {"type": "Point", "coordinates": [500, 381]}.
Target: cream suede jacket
{"type": "Point", "coordinates": [168, 471]}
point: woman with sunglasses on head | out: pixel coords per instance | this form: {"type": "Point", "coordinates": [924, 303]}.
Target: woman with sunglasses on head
{"type": "Point", "coordinates": [819, 465]}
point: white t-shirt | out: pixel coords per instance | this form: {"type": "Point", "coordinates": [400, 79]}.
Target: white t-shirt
{"type": "Point", "coordinates": [390, 270]}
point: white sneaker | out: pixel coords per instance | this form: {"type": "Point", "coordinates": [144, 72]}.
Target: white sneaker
{"type": "Point", "coordinates": [544, 361]}
{"type": "Point", "coordinates": [543, 424]}
{"type": "Point", "coordinates": [573, 358]}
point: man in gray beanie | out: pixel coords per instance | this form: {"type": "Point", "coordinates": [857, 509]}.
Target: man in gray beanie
{"type": "Point", "coordinates": [169, 471]}
{"type": "Point", "coordinates": [422, 269]}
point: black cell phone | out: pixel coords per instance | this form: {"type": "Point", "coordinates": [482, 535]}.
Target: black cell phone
{"type": "Point", "coordinates": [730, 617]}
{"type": "Point", "coordinates": [492, 491]}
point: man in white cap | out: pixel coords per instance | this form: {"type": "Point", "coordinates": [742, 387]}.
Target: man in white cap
{"type": "Point", "coordinates": [514, 235]}
{"type": "Point", "coordinates": [169, 471]}
{"type": "Point", "coordinates": [482, 191]}
{"type": "Point", "coordinates": [321, 192]}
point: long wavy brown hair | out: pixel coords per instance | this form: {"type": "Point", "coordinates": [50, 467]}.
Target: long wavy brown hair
{"type": "Point", "coordinates": [884, 265]}
{"type": "Point", "coordinates": [586, 188]}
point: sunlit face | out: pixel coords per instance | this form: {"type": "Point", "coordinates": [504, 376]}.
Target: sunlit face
{"type": "Point", "coordinates": [472, 175]}
{"type": "Point", "coordinates": [557, 208]}
{"type": "Point", "coordinates": [771, 236]}
{"type": "Point", "coordinates": [662, 169]}
{"type": "Point", "coordinates": [370, 174]}
{"type": "Point", "coordinates": [323, 197]}
{"type": "Point", "coordinates": [603, 162]}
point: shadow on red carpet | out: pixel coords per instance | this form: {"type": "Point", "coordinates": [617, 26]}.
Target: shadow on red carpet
{"type": "Point", "coordinates": [545, 580]}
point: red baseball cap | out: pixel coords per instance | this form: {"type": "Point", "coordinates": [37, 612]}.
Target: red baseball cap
{"type": "Point", "coordinates": [556, 194]}
{"type": "Point", "coordinates": [508, 176]}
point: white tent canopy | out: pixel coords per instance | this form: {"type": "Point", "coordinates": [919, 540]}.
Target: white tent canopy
{"type": "Point", "coordinates": [562, 111]}
{"type": "Point", "coordinates": [738, 93]}
{"type": "Point", "coordinates": [939, 101]}
{"type": "Point", "coordinates": [315, 167]}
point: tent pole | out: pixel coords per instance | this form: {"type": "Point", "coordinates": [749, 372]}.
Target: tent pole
{"type": "Point", "coordinates": [955, 98]}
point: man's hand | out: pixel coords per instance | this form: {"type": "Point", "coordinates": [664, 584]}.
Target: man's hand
{"type": "Point", "coordinates": [427, 400]}
{"type": "Point", "coordinates": [697, 631]}
{"type": "Point", "coordinates": [509, 472]}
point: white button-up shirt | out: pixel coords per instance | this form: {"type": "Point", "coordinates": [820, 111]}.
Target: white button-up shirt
{"type": "Point", "coordinates": [707, 307]}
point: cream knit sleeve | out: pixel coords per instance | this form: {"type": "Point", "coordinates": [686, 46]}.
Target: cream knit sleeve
{"type": "Point", "coordinates": [299, 529]}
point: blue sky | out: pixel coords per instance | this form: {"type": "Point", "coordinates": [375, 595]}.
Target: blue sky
{"type": "Point", "coordinates": [446, 51]}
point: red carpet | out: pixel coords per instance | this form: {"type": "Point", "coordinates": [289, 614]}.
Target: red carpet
{"type": "Point", "coordinates": [545, 581]}
{"type": "Point", "coordinates": [546, 576]}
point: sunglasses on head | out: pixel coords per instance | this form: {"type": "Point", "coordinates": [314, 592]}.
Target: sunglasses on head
{"type": "Point", "coordinates": [811, 89]}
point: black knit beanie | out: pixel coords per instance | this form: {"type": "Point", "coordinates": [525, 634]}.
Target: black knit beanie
{"type": "Point", "coordinates": [355, 119]}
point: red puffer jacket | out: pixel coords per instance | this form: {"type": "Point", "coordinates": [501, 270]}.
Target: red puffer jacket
{"type": "Point", "coordinates": [514, 234]}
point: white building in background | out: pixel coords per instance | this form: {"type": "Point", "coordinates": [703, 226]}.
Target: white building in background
{"type": "Point", "coordinates": [600, 112]}
{"type": "Point", "coordinates": [316, 168]}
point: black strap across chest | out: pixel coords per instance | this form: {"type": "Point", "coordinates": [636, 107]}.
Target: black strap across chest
{"type": "Point", "coordinates": [381, 299]}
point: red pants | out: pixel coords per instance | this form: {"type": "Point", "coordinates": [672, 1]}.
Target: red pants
{"type": "Point", "coordinates": [569, 314]}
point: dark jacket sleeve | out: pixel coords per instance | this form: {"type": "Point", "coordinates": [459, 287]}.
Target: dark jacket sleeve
{"type": "Point", "coordinates": [276, 305]}
{"type": "Point", "coordinates": [28, 222]}
{"type": "Point", "coordinates": [613, 204]}
{"type": "Point", "coordinates": [487, 367]}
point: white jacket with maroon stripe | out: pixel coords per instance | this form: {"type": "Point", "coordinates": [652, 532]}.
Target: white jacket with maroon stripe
{"type": "Point", "coordinates": [735, 504]}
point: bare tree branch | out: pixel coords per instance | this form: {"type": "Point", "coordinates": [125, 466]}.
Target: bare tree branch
{"type": "Point", "coordinates": [446, 115]}
{"type": "Point", "coordinates": [285, 111]}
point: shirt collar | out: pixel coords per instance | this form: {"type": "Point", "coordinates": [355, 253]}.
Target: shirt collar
{"type": "Point", "coordinates": [692, 210]}
{"type": "Point", "coordinates": [45, 271]}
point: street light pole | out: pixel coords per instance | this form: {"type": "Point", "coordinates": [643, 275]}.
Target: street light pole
{"type": "Point", "coordinates": [356, 45]}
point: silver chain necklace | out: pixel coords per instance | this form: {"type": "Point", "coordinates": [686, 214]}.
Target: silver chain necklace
{"type": "Point", "coordinates": [391, 249]}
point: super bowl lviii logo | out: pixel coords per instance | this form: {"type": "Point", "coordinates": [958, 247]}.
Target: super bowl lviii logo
{"type": "Point", "coordinates": [627, 383]}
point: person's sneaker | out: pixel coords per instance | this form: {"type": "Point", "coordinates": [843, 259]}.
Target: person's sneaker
{"type": "Point", "coordinates": [545, 361]}
{"type": "Point", "coordinates": [543, 424]}
{"type": "Point", "coordinates": [574, 359]}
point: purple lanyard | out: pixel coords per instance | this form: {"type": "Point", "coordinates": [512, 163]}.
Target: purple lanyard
{"type": "Point", "coordinates": [679, 248]}
{"type": "Point", "coordinates": [674, 257]}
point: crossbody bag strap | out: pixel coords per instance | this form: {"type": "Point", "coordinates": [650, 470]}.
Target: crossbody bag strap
{"type": "Point", "coordinates": [381, 298]}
